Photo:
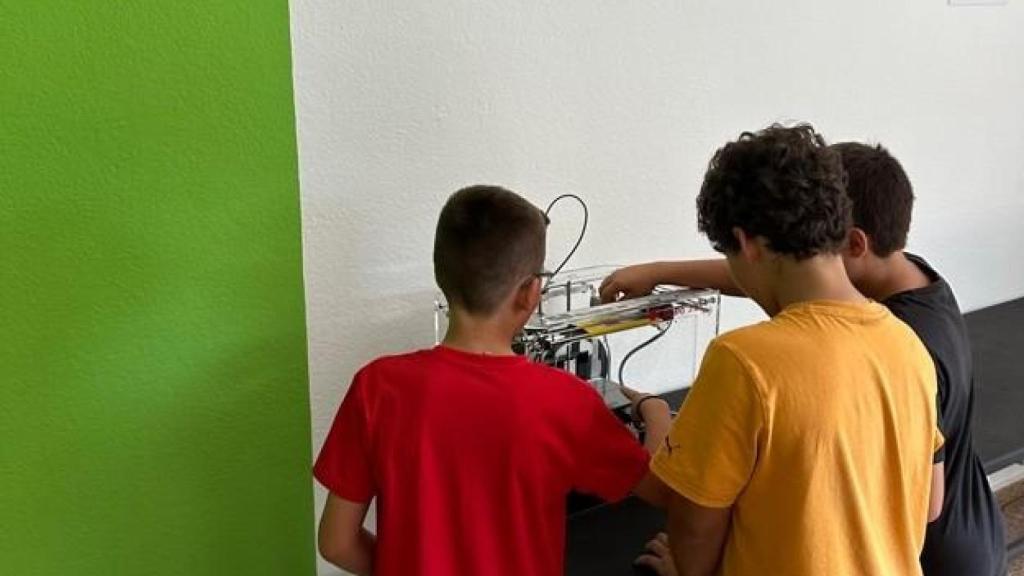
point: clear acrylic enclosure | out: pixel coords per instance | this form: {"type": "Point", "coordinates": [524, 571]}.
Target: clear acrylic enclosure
{"type": "Point", "coordinates": [652, 344]}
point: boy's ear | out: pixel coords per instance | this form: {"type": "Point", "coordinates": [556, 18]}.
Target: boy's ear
{"type": "Point", "coordinates": [750, 248]}
{"type": "Point", "coordinates": [528, 295]}
{"type": "Point", "coordinates": [857, 243]}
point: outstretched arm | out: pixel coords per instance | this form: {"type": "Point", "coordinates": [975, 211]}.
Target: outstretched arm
{"type": "Point", "coordinates": [657, 418]}
{"type": "Point", "coordinates": [640, 279]}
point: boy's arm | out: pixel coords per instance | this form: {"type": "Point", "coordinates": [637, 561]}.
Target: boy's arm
{"type": "Point", "coordinates": [609, 463]}
{"type": "Point", "coordinates": [696, 535]}
{"type": "Point", "coordinates": [937, 495]}
{"type": "Point", "coordinates": [657, 418]}
{"type": "Point", "coordinates": [342, 540]}
{"type": "Point", "coordinates": [938, 492]}
{"type": "Point", "coordinates": [344, 467]}
{"type": "Point", "coordinates": [706, 462]}
{"type": "Point", "coordinates": [640, 279]}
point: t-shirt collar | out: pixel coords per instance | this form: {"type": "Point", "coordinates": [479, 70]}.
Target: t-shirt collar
{"type": "Point", "coordinates": [477, 358]}
{"type": "Point", "coordinates": [938, 283]}
{"type": "Point", "coordinates": [864, 311]}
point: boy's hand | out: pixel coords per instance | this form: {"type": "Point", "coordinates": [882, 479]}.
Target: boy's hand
{"type": "Point", "coordinates": [658, 556]}
{"type": "Point", "coordinates": [628, 282]}
{"type": "Point", "coordinates": [645, 406]}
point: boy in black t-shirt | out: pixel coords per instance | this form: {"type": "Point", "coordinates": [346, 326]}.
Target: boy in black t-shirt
{"type": "Point", "coordinates": [968, 537]}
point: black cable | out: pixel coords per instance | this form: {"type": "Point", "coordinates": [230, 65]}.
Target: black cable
{"type": "Point", "coordinates": [604, 350]}
{"type": "Point", "coordinates": [641, 346]}
{"type": "Point", "coordinates": [579, 240]}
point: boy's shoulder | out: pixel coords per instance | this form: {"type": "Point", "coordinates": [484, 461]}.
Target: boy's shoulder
{"type": "Point", "coordinates": [753, 336]}
{"type": "Point", "coordinates": [400, 366]}
{"type": "Point", "coordinates": [394, 361]}
{"type": "Point", "coordinates": [548, 375]}
{"type": "Point", "coordinates": [390, 368]}
{"type": "Point", "coordinates": [812, 326]}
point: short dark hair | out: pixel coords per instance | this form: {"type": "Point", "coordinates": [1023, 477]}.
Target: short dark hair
{"type": "Point", "coordinates": [781, 183]}
{"type": "Point", "coordinates": [488, 240]}
{"type": "Point", "coordinates": [881, 193]}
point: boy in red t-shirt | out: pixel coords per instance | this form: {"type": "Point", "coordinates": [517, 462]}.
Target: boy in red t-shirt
{"type": "Point", "coordinates": [469, 449]}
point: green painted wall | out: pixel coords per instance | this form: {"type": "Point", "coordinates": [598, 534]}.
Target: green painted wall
{"type": "Point", "coordinates": [154, 399]}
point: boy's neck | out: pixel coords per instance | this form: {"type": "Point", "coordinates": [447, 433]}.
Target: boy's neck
{"type": "Point", "coordinates": [820, 277]}
{"type": "Point", "coordinates": [891, 275]}
{"type": "Point", "coordinates": [478, 335]}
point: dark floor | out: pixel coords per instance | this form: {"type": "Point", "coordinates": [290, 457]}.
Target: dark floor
{"type": "Point", "coordinates": [997, 338]}
{"type": "Point", "coordinates": [605, 540]}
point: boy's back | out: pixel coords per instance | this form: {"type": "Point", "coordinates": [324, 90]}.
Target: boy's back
{"type": "Point", "coordinates": [470, 457]}
{"type": "Point", "coordinates": [968, 537]}
{"type": "Point", "coordinates": [818, 427]}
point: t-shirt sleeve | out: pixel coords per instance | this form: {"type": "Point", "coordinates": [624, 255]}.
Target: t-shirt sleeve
{"type": "Point", "coordinates": [712, 448]}
{"type": "Point", "coordinates": [344, 466]}
{"type": "Point", "coordinates": [610, 461]}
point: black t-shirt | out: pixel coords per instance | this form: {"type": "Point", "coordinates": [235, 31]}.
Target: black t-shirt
{"type": "Point", "coordinates": [968, 538]}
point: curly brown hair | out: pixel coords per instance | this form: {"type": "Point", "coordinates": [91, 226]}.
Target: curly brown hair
{"type": "Point", "coordinates": [783, 184]}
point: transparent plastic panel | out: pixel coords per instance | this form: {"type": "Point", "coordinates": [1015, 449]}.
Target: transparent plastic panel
{"type": "Point", "coordinates": [660, 337]}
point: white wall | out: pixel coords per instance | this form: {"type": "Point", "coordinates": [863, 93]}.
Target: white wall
{"type": "Point", "coordinates": [401, 103]}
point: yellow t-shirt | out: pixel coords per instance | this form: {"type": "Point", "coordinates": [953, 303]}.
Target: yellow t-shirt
{"type": "Point", "coordinates": [819, 428]}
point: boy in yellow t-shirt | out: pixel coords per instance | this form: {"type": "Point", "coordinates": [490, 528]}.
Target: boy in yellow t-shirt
{"type": "Point", "coordinates": [808, 444]}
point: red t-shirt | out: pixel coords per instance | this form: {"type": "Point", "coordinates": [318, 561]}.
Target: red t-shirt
{"type": "Point", "coordinates": [470, 458]}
